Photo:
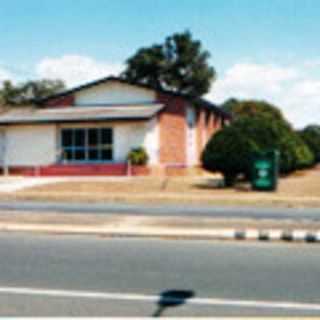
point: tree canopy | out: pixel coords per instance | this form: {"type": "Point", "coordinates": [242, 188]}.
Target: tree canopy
{"type": "Point", "coordinates": [180, 64]}
{"type": "Point", "coordinates": [311, 136]}
{"type": "Point", "coordinates": [240, 108]}
{"type": "Point", "coordinates": [25, 93]}
{"type": "Point", "coordinates": [258, 127]}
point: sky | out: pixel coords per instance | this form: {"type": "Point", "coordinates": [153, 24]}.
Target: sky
{"type": "Point", "coordinates": [261, 49]}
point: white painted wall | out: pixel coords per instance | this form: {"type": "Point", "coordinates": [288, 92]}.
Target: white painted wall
{"type": "Point", "coordinates": [191, 137]}
{"type": "Point", "coordinates": [140, 134]}
{"type": "Point", "coordinates": [114, 93]}
{"type": "Point", "coordinates": [30, 145]}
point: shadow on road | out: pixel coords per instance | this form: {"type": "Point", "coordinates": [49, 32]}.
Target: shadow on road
{"type": "Point", "coordinates": [172, 298]}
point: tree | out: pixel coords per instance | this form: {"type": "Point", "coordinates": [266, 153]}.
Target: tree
{"type": "Point", "coordinates": [252, 108]}
{"type": "Point", "coordinates": [29, 91]}
{"type": "Point", "coordinates": [264, 129]}
{"type": "Point", "coordinates": [179, 65]}
{"type": "Point", "coordinates": [311, 136]}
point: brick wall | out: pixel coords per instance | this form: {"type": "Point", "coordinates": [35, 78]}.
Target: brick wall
{"type": "Point", "coordinates": [201, 118]}
{"type": "Point", "coordinates": [65, 101]}
{"type": "Point", "coordinates": [211, 125]}
{"type": "Point", "coordinates": [172, 127]}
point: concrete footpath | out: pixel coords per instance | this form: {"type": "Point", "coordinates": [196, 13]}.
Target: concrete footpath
{"type": "Point", "coordinates": [202, 228]}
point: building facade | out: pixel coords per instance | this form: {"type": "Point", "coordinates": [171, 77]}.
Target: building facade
{"type": "Point", "coordinates": [89, 130]}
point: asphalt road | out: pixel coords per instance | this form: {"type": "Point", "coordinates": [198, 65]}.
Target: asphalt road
{"type": "Point", "coordinates": [42, 275]}
{"type": "Point", "coordinates": [167, 210]}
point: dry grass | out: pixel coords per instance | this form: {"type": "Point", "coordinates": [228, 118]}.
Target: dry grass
{"type": "Point", "coordinates": [138, 185]}
{"type": "Point", "coordinates": [307, 183]}
{"type": "Point", "coordinates": [300, 189]}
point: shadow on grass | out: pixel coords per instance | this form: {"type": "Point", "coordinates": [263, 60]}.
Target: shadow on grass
{"type": "Point", "coordinates": [171, 299]}
{"type": "Point", "coordinates": [210, 184]}
{"type": "Point", "coordinates": [218, 184]}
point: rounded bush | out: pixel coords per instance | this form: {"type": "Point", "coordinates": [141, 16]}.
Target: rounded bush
{"type": "Point", "coordinates": [230, 150]}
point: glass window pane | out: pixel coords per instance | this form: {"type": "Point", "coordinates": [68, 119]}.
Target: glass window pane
{"type": "Point", "coordinates": [66, 138]}
{"type": "Point", "coordinates": [93, 137]}
{"type": "Point", "coordinates": [106, 136]}
{"type": "Point", "coordinates": [106, 154]}
{"type": "Point", "coordinates": [93, 154]}
{"type": "Point", "coordinates": [67, 155]}
{"type": "Point", "coordinates": [79, 155]}
{"type": "Point", "coordinates": [79, 137]}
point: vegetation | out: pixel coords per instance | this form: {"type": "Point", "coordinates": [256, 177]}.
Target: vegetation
{"type": "Point", "coordinates": [311, 137]}
{"type": "Point", "coordinates": [179, 65]}
{"type": "Point", "coordinates": [258, 127]}
{"type": "Point", "coordinates": [25, 93]}
{"type": "Point", "coordinates": [252, 108]}
{"type": "Point", "coordinates": [229, 153]}
{"type": "Point", "coordinates": [138, 156]}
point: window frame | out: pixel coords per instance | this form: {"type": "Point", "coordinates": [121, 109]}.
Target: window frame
{"type": "Point", "coordinates": [100, 147]}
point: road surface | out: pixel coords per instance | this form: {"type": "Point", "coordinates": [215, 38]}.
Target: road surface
{"type": "Point", "coordinates": [167, 210]}
{"type": "Point", "coordinates": [47, 275]}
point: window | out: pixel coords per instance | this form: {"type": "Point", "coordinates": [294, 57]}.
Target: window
{"type": "Point", "coordinates": [87, 144]}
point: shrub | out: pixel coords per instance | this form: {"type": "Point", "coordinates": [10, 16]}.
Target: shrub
{"type": "Point", "coordinates": [229, 151]}
{"type": "Point", "coordinates": [305, 157]}
{"type": "Point", "coordinates": [138, 156]}
{"type": "Point", "coordinates": [311, 137]}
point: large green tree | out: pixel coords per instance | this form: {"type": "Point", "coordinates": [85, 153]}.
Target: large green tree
{"type": "Point", "coordinates": [258, 126]}
{"type": "Point", "coordinates": [180, 64]}
{"type": "Point", "coordinates": [27, 92]}
{"type": "Point", "coordinates": [241, 108]}
{"type": "Point", "coordinates": [311, 136]}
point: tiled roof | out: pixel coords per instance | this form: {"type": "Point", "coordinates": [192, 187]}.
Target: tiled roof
{"type": "Point", "coordinates": [79, 113]}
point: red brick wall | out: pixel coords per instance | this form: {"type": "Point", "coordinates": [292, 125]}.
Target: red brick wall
{"type": "Point", "coordinates": [217, 123]}
{"type": "Point", "coordinates": [172, 127]}
{"type": "Point", "coordinates": [207, 127]}
{"type": "Point", "coordinates": [65, 101]}
{"type": "Point", "coordinates": [201, 117]}
{"type": "Point", "coordinates": [211, 125]}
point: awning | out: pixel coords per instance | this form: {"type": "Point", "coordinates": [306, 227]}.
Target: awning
{"type": "Point", "coordinates": [23, 115]}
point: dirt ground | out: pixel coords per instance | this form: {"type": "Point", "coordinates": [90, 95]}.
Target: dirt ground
{"type": "Point", "coordinates": [299, 189]}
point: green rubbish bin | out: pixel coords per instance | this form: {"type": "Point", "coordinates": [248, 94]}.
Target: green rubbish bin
{"type": "Point", "coordinates": [265, 171]}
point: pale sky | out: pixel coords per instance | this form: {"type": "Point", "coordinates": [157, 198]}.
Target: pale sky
{"type": "Point", "coordinates": [263, 49]}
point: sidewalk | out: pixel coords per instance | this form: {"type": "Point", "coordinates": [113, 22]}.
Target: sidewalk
{"type": "Point", "coordinates": [11, 184]}
{"type": "Point", "coordinates": [160, 227]}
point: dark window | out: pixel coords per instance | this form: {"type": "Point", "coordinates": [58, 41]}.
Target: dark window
{"type": "Point", "coordinates": [67, 155]}
{"type": "Point", "coordinates": [67, 138]}
{"type": "Point", "coordinates": [93, 137]}
{"type": "Point", "coordinates": [94, 154]}
{"type": "Point", "coordinates": [106, 136]}
{"type": "Point", "coordinates": [80, 140]}
{"type": "Point", "coordinates": [87, 144]}
{"type": "Point", "coordinates": [80, 155]}
{"type": "Point", "coordinates": [106, 154]}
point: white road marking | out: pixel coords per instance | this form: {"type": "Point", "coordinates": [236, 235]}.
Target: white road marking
{"type": "Point", "coordinates": [156, 298]}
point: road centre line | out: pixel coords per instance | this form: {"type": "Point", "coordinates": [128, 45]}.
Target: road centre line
{"type": "Point", "coordinates": [156, 298]}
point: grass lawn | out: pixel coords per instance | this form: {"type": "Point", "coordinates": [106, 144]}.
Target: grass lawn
{"type": "Point", "coordinates": [299, 189]}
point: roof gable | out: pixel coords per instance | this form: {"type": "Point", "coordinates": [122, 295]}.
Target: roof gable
{"type": "Point", "coordinates": [197, 101]}
{"type": "Point", "coordinates": [114, 93]}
